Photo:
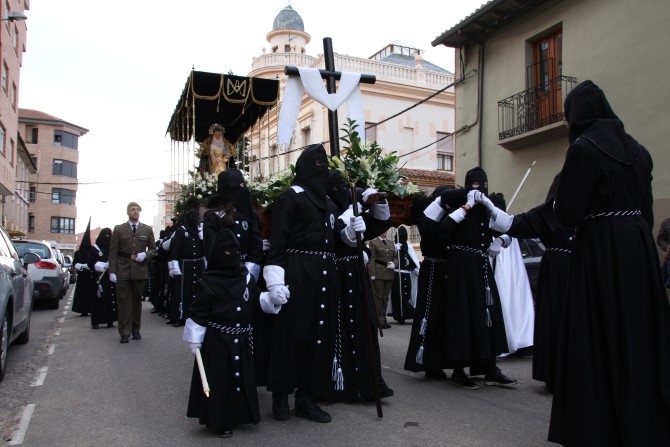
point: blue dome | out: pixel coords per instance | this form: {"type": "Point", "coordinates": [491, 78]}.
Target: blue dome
{"type": "Point", "coordinates": [288, 19]}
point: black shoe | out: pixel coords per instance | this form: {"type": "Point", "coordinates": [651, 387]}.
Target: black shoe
{"type": "Point", "coordinates": [463, 381]}
{"type": "Point", "coordinates": [305, 408]}
{"type": "Point", "coordinates": [436, 374]}
{"type": "Point", "coordinates": [225, 433]}
{"type": "Point", "coordinates": [400, 322]}
{"type": "Point", "coordinates": [137, 336]}
{"type": "Point", "coordinates": [169, 322]}
{"type": "Point", "coordinates": [124, 339]}
{"type": "Point", "coordinates": [499, 379]}
{"type": "Point", "coordinates": [178, 323]}
{"type": "Point", "coordinates": [110, 324]}
{"type": "Point", "coordinates": [280, 410]}
{"type": "Point", "coordinates": [94, 326]}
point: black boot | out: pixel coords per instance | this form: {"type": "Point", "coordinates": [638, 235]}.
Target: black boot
{"type": "Point", "coordinates": [308, 409]}
{"type": "Point", "coordinates": [280, 410]}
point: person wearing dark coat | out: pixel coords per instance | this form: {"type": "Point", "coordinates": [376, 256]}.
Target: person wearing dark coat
{"type": "Point", "coordinates": [613, 369]}
{"type": "Point", "coordinates": [185, 266]}
{"type": "Point", "coordinates": [103, 305]}
{"type": "Point", "coordinates": [351, 329]}
{"type": "Point", "coordinates": [85, 288]}
{"type": "Point", "coordinates": [558, 239]}
{"type": "Point", "coordinates": [231, 208]}
{"type": "Point", "coordinates": [473, 327]}
{"type": "Point", "coordinates": [220, 325]}
{"type": "Point", "coordinates": [426, 349]}
{"type": "Point", "coordinates": [301, 271]}
{"type": "Point", "coordinates": [407, 265]}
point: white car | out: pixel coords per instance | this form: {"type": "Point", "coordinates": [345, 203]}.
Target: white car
{"type": "Point", "coordinates": [47, 273]}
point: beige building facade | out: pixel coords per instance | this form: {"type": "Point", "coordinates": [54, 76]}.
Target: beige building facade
{"type": "Point", "coordinates": [403, 79]}
{"type": "Point", "coordinates": [520, 61]}
{"type": "Point", "coordinates": [54, 145]}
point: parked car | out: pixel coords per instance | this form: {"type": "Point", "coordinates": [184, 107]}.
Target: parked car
{"type": "Point", "coordinates": [72, 272]}
{"type": "Point", "coordinates": [47, 273]}
{"type": "Point", "coordinates": [16, 298]}
{"type": "Point", "coordinates": [61, 260]}
{"type": "Point", "coordinates": [532, 251]}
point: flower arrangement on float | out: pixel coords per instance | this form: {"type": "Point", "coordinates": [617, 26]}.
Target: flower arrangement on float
{"type": "Point", "coordinates": [200, 187]}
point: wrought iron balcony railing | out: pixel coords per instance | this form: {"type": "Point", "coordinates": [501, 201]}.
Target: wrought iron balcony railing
{"type": "Point", "coordinates": [533, 108]}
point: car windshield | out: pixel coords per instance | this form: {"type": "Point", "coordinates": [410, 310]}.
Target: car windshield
{"type": "Point", "coordinates": [29, 247]}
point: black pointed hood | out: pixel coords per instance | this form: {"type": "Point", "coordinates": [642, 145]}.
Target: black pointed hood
{"type": "Point", "coordinates": [477, 175]}
{"type": "Point", "coordinates": [225, 276]}
{"type": "Point", "coordinates": [311, 173]}
{"type": "Point", "coordinates": [339, 190]}
{"type": "Point", "coordinates": [232, 188]}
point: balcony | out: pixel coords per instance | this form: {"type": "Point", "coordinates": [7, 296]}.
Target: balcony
{"type": "Point", "coordinates": [534, 115]}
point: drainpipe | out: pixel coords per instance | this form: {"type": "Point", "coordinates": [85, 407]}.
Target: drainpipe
{"type": "Point", "coordinates": [480, 111]}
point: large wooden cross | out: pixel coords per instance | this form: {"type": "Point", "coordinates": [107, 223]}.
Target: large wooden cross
{"type": "Point", "coordinates": [330, 75]}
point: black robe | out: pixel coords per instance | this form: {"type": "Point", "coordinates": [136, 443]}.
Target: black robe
{"type": "Point", "coordinates": [401, 291]}
{"type": "Point", "coordinates": [186, 247]}
{"type": "Point", "coordinates": [302, 242]}
{"type": "Point", "coordinates": [552, 286]}
{"type": "Point", "coordinates": [227, 354]}
{"type": "Point", "coordinates": [427, 343]}
{"type": "Point", "coordinates": [85, 289]}
{"type": "Point", "coordinates": [245, 229]}
{"type": "Point", "coordinates": [103, 303]}
{"type": "Point", "coordinates": [613, 369]}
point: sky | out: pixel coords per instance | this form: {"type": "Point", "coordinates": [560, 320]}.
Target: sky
{"type": "Point", "coordinates": [118, 69]}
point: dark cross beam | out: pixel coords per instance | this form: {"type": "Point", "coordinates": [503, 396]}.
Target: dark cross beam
{"type": "Point", "coordinates": [330, 75]}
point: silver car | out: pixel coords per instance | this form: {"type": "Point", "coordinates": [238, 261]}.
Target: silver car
{"type": "Point", "coordinates": [47, 274]}
{"type": "Point", "coordinates": [16, 298]}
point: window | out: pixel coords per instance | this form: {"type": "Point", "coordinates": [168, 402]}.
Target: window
{"type": "Point", "coordinates": [32, 194]}
{"type": "Point", "coordinates": [2, 139]}
{"type": "Point", "coordinates": [62, 225]}
{"type": "Point", "coordinates": [287, 48]}
{"type": "Point", "coordinates": [11, 152]}
{"type": "Point", "coordinates": [445, 151]}
{"type": "Point", "coordinates": [5, 71]}
{"type": "Point", "coordinates": [31, 223]}
{"type": "Point", "coordinates": [63, 196]}
{"type": "Point", "coordinates": [370, 132]}
{"type": "Point", "coordinates": [33, 135]}
{"type": "Point", "coordinates": [543, 76]}
{"type": "Point", "coordinates": [306, 136]}
{"type": "Point", "coordinates": [64, 167]}
{"type": "Point", "coordinates": [408, 138]}
{"type": "Point", "coordinates": [12, 96]}
{"type": "Point", "coordinates": [15, 38]}
{"type": "Point", "coordinates": [66, 139]}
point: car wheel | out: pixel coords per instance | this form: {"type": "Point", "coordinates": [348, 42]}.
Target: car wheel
{"type": "Point", "coordinates": [4, 343]}
{"type": "Point", "coordinates": [25, 336]}
{"type": "Point", "coordinates": [53, 304]}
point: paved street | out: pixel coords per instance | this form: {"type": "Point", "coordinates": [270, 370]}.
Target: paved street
{"type": "Point", "coordinates": [78, 387]}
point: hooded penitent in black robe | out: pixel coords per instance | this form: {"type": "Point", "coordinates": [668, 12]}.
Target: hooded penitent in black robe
{"type": "Point", "coordinates": [351, 337]}
{"type": "Point", "coordinates": [187, 250]}
{"type": "Point", "coordinates": [427, 344]}
{"type": "Point", "coordinates": [302, 248]}
{"type": "Point", "coordinates": [401, 292]}
{"type": "Point", "coordinates": [552, 286]}
{"type": "Point", "coordinates": [226, 299]}
{"type": "Point", "coordinates": [613, 369]}
{"type": "Point", "coordinates": [85, 289]}
{"type": "Point", "coordinates": [103, 303]}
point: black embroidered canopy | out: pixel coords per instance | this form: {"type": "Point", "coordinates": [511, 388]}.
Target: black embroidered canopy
{"type": "Point", "coordinates": [236, 102]}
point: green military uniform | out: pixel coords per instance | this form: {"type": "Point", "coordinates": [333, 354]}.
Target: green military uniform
{"type": "Point", "coordinates": [382, 251]}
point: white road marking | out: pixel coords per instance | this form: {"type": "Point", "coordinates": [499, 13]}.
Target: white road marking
{"type": "Point", "coordinates": [56, 333]}
{"type": "Point", "coordinates": [66, 307]}
{"type": "Point", "coordinates": [41, 375]}
{"type": "Point", "coordinates": [61, 319]}
{"type": "Point", "coordinates": [20, 432]}
{"type": "Point", "coordinates": [65, 312]}
{"type": "Point", "coordinates": [51, 349]}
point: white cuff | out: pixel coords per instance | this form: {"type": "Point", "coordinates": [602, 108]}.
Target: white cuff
{"type": "Point", "coordinates": [381, 211]}
{"type": "Point", "coordinates": [502, 222]}
{"type": "Point", "coordinates": [273, 275]}
{"type": "Point", "coordinates": [253, 268]}
{"type": "Point", "coordinates": [506, 240]}
{"type": "Point", "coordinates": [267, 306]}
{"type": "Point", "coordinates": [458, 215]}
{"type": "Point", "coordinates": [349, 239]}
{"type": "Point", "coordinates": [193, 332]}
{"type": "Point", "coordinates": [347, 215]}
{"type": "Point", "coordinates": [434, 212]}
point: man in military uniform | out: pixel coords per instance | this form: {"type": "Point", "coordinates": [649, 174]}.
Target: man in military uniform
{"type": "Point", "coordinates": [381, 265]}
{"type": "Point", "coordinates": [131, 248]}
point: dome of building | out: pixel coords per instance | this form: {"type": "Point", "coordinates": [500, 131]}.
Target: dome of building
{"type": "Point", "coordinates": [288, 19]}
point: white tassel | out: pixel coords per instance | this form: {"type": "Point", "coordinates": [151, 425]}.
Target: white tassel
{"type": "Point", "coordinates": [489, 297]}
{"type": "Point", "coordinates": [419, 356]}
{"type": "Point", "coordinates": [339, 382]}
{"type": "Point", "coordinates": [489, 323]}
{"type": "Point", "coordinates": [334, 369]}
{"type": "Point", "coordinates": [424, 325]}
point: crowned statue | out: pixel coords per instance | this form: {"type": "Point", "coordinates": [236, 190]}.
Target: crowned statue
{"type": "Point", "coordinates": [216, 153]}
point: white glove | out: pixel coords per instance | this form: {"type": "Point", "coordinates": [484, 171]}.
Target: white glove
{"type": "Point", "coordinates": [365, 258]}
{"type": "Point", "coordinates": [200, 229]}
{"type": "Point", "coordinates": [101, 266]}
{"type": "Point", "coordinates": [492, 209]}
{"type": "Point", "coordinates": [81, 267]}
{"type": "Point", "coordinates": [112, 277]}
{"type": "Point", "coordinates": [398, 246]}
{"type": "Point", "coordinates": [173, 269]}
{"type": "Point", "coordinates": [279, 294]}
{"type": "Point", "coordinates": [141, 257]}
{"type": "Point", "coordinates": [266, 245]}
{"type": "Point", "coordinates": [372, 278]}
{"type": "Point", "coordinates": [473, 196]}
{"type": "Point", "coordinates": [194, 346]}
{"type": "Point", "coordinates": [390, 265]}
{"type": "Point", "coordinates": [267, 306]}
{"type": "Point", "coordinates": [356, 225]}
{"type": "Point", "coordinates": [495, 247]}
{"type": "Point", "coordinates": [367, 193]}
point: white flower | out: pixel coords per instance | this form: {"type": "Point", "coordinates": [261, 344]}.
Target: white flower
{"type": "Point", "coordinates": [199, 196]}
